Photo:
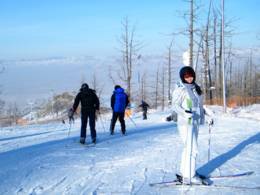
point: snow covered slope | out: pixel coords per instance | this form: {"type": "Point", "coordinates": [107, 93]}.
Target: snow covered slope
{"type": "Point", "coordinates": [42, 159]}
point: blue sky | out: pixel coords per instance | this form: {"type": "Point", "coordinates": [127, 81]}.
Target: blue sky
{"type": "Point", "coordinates": [50, 28]}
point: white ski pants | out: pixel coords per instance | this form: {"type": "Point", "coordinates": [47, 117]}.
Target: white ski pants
{"type": "Point", "coordinates": [189, 136]}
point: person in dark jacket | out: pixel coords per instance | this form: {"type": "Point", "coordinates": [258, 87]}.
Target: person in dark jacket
{"type": "Point", "coordinates": [119, 102]}
{"type": "Point", "coordinates": [144, 107]}
{"type": "Point", "coordinates": [89, 105]}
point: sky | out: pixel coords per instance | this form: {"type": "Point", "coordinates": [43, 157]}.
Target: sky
{"type": "Point", "coordinates": [48, 45]}
{"type": "Point", "coordinates": [50, 28]}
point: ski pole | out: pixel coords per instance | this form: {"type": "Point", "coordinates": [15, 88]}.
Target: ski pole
{"type": "Point", "coordinates": [132, 120]}
{"type": "Point", "coordinates": [209, 142]}
{"type": "Point", "coordinates": [71, 119]}
{"type": "Point", "coordinates": [102, 123]}
{"type": "Point", "coordinates": [69, 129]}
{"type": "Point", "coordinates": [185, 152]}
{"type": "Point", "coordinates": [68, 134]}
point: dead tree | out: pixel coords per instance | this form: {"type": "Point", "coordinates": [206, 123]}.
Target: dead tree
{"type": "Point", "coordinates": [143, 86]}
{"type": "Point", "coordinates": [169, 67]}
{"type": "Point", "coordinates": [191, 33]}
{"type": "Point", "coordinates": [206, 70]}
{"type": "Point", "coordinates": [157, 89]}
{"type": "Point", "coordinates": [129, 50]}
{"type": "Point", "coordinates": [163, 88]}
{"type": "Point", "coordinates": [96, 85]}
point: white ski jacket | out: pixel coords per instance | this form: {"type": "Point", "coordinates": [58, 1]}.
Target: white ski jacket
{"type": "Point", "coordinates": [181, 102]}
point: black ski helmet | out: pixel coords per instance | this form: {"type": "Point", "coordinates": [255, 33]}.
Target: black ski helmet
{"type": "Point", "coordinates": [84, 86]}
{"type": "Point", "coordinates": [187, 70]}
{"type": "Point", "coordinates": [117, 86]}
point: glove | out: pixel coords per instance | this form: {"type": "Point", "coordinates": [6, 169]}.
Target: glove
{"type": "Point", "coordinates": [188, 114]}
{"type": "Point", "coordinates": [210, 121]}
{"type": "Point", "coordinates": [169, 118]}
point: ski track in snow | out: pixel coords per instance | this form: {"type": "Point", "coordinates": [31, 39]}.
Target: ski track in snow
{"type": "Point", "coordinates": [42, 159]}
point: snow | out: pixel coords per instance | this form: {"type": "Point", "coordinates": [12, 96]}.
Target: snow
{"type": "Point", "coordinates": [47, 159]}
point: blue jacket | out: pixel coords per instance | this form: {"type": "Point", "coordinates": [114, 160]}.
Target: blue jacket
{"type": "Point", "coordinates": [119, 100]}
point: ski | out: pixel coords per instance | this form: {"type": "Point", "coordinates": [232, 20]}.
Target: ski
{"type": "Point", "coordinates": [175, 182]}
{"type": "Point", "coordinates": [227, 176]}
{"type": "Point", "coordinates": [165, 183]}
{"type": "Point", "coordinates": [204, 179]}
{"type": "Point", "coordinates": [178, 184]}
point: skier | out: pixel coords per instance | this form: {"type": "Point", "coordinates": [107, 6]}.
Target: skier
{"type": "Point", "coordinates": [144, 107]}
{"type": "Point", "coordinates": [119, 102]}
{"type": "Point", "coordinates": [187, 103]}
{"type": "Point", "coordinates": [89, 105]}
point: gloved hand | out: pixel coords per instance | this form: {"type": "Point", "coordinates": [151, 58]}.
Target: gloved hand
{"type": "Point", "coordinates": [169, 118]}
{"type": "Point", "coordinates": [188, 114]}
{"type": "Point", "coordinates": [210, 121]}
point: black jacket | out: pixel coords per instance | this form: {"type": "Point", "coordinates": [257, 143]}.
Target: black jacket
{"type": "Point", "coordinates": [144, 105]}
{"type": "Point", "coordinates": [89, 100]}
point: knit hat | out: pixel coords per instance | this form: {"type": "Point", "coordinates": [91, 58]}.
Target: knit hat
{"type": "Point", "coordinates": [84, 86]}
{"type": "Point", "coordinates": [187, 71]}
{"type": "Point", "coordinates": [117, 86]}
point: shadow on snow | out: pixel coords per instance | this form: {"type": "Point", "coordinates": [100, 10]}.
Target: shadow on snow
{"type": "Point", "coordinates": [41, 149]}
{"type": "Point", "coordinates": [213, 164]}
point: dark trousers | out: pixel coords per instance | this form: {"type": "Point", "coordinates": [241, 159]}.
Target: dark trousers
{"type": "Point", "coordinates": [120, 116]}
{"type": "Point", "coordinates": [84, 120]}
{"type": "Point", "coordinates": [144, 114]}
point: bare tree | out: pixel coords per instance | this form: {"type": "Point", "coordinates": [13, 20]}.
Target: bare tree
{"type": "Point", "coordinates": [190, 17]}
{"type": "Point", "coordinates": [156, 89]}
{"type": "Point", "coordinates": [129, 50]}
{"type": "Point", "coordinates": [13, 113]}
{"type": "Point", "coordinates": [169, 67]}
{"type": "Point", "coordinates": [207, 74]}
{"type": "Point", "coordinates": [191, 32]}
{"type": "Point", "coordinates": [97, 86]}
{"type": "Point", "coordinates": [163, 87]}
{"type": "Point", "coordinates": [215, 75]}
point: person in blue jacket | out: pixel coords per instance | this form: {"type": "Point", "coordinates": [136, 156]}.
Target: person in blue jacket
{"type": "Point", "coordinates": [119, 102]}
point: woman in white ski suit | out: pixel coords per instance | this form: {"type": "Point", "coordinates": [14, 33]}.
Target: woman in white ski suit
{"type": "Point", "coordinates": [187, 103]}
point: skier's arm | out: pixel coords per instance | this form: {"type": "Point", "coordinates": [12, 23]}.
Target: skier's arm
{"type": "Point", "coordinates": [112, 102]}
{"type": "Point", "coordinates": [146, 105]}
{"type": "Point", "coordinates": [76, 102]}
